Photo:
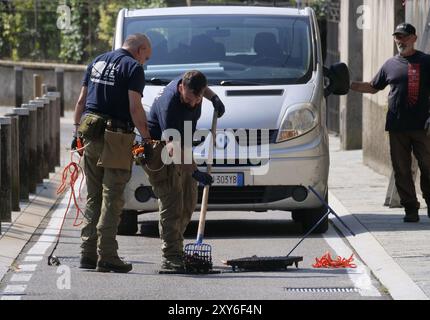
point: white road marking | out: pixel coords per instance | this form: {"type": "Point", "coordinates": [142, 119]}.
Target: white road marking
{"type": "Point", "coordinates": [33, 258]}
{"type": "Point", "coordinates": [21, 277]}
{"type": "Point", "coordinates": [49, 236]}
{"type": "Point", "coordinates": [11, 298]}
{"type": "Point", "coordinates": [15, 289]}
{"type": "Point", "coordinates": [27, 267]}
{"type": "Point", "coordinates": [359, 276]}
{"type": "Point", "coordinates": [390, 274]}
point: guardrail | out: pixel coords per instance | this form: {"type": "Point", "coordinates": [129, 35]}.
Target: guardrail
{"type": "Point", "coordinates": [29, 149]}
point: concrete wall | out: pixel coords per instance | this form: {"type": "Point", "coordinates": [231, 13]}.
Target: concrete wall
{"type": "Point", "coordinates": [351, 52]}
{"type": "Point", "coordinates": [72, 81]}
{"type": "Point", "coordinates": [378, 46]}
{"type": "Point", "coordinates": [416, 13]}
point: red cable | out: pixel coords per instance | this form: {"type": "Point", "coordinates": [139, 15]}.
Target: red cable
{"type": "Point", "coordinates": [326, 261]}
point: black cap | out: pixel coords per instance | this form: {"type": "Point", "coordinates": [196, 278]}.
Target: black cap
{"type": "Point", "coordinates": [405, 29]}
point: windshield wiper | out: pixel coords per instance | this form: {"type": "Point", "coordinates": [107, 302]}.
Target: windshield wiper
{"type": "Point", "coordinates": [239, 83]}
{"type": "Point", "coordinates": [157, 81]}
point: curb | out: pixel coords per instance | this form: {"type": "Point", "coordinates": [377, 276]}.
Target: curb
{"type": "Point", "coordinates": [23, 228]}
{"type": "Point", "coordinates": [383, 266]}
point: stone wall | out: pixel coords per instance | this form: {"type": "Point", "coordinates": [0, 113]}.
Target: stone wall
{"type": "Point", "coordinates": [72, 81]}
{"type": "Point", "coordinates": [378, 46]}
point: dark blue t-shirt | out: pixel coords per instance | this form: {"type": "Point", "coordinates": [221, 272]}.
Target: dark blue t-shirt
{"type": "Point", "coordinates": [408, 101]}
{"type": "Point", "coordinates": [168, 112]}
{"type": "Point", "coordinates": [108, 78]}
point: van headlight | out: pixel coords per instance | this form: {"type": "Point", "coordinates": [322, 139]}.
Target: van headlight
{"type": "Point", "coordinates": [298, 120]}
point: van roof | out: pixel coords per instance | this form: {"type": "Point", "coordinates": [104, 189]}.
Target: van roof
{"type": "Point", "coordinates": [210, 10]}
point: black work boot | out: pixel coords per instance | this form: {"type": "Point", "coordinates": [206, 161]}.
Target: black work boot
{"type": "Point", "coordinates": [411, 215]}
{"type": "Point", "coordinates": [174, 264]}
{"type": "Point", "coordinates": [113, 264]}
{"type": "Point", "coordinates": [88, 262]}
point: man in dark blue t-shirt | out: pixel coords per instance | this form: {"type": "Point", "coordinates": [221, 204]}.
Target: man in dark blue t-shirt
{"type": "Point", "coordinates": [178, 105]}
{"type": "Point", "coordinates": [111, 94]}
{"type": "Point", "coordinates": [408, 118]}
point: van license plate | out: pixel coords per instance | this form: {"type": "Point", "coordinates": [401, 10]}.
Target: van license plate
{"type": "Point", "coordinates": [228, 179]}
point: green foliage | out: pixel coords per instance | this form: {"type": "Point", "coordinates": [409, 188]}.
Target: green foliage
{"type": "Point", "coordinates": [29, 31]}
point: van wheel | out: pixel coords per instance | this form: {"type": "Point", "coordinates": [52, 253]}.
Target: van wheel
{"type": "Point", "coordinates": [128, 223]}
{"type": "Point", "coordinates": [309, 217]}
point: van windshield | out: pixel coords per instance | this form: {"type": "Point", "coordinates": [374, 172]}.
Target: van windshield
{"type": "Point", "coordinates": [228, 49]}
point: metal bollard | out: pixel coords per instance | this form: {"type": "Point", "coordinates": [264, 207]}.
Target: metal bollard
{"type": "Point", "coordinates": [14, 155]}
{"type": "Point", "coordinates": [24, 151]}
{"type": "Point", "coordinates": [46, 137]}
{"type": "Point", "coordinates": [57, 121]}
{"type": "Point", "coordinates": [6, 170]}
{"type": "Point", "coordinates": [33, 165]}
{"type": "Point", "coordinates": [59, 76]}
{"type": "Point", "coordinates": [18, 86]}
{"type": "Point", "coordinates": [40, 142]}
{"type": "Point", "coordinates": [52, 131]}
{"type": "Point", "coordinates": [37, 85]}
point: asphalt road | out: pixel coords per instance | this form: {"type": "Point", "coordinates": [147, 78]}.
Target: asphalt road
{"type": "Point", "coordinates": [231, 235]}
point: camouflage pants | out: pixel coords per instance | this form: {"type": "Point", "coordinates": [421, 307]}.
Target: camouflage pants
{"type": "Point", "coordinates": [177, 198]}
{"type": "Point", "coordinates": [104, 203]}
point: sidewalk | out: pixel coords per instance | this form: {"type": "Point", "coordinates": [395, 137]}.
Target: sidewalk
{"type": "Point", "coordinates": [15, 235]}
{"type": "Point", "coordinates": [361, 192]}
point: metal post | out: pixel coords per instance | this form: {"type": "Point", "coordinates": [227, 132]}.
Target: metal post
{"type": "Point", "coordinates": [18, 86]}
{"type": "Point", "coordinates": [6, 170]}
{"type": "Point", "coordinates": [37, 85]}
{"type": "Point", "coordinates": [57, 112]}
{"type": "Point", "coordinates": [33, 165]}
{"type": "Point", "coordinates": [59, 76]}
{"type": "Point", "coordinates": [46, 137]}
{"type": "Point", "coordinates": [14, 158]}
{"type": "Point", "coordinates": [24, 151]}
{"type": "Point", "coordinates": [40, 136]}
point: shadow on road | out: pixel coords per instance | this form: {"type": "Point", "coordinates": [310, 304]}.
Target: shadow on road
{"type": "Point", "coordinates": [233, 229]}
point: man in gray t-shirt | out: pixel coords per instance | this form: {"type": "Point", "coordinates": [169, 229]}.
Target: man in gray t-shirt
{"type": "Point", "coordinates": [408, 118]}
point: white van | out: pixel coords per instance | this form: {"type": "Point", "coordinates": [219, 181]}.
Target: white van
{"type": "Point", "coordinates": [265, 63]}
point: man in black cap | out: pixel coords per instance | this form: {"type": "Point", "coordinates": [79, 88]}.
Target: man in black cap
{"type": "Point", "coordinates": [408, 117]}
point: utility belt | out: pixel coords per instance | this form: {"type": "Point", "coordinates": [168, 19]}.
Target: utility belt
{"type": "Point", "coordinates": [118, 138]}
{"type": "Point", "coordinates": [119, 126]}
{"type": "Point", "coordinates": [94, 125]}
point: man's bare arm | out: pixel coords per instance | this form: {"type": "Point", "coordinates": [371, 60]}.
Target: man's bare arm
{"type": "Point", "coordinates": [363, 87]}
{"type": "Point", "coordinates": [80, 106]}
{"type": "Point", "coordinates": [138, 114]}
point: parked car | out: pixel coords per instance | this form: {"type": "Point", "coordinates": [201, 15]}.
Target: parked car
{"type": "Point", "coordinates": [265, 63]}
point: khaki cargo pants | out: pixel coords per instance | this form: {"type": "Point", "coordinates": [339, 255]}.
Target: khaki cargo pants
{"type": "Point", "coordinates": [176, 191]}
{"type": "Point", "coordinates": [105, 202]}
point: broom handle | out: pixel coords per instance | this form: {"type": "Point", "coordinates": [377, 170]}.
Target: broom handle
{"type": "Point", "coordinates": [205, 196]}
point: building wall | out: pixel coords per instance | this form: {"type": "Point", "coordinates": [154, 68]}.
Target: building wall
{"type": "Point", "coordinates": [72, 81]}
{"type": "Point", "coordinates": [378, 46]}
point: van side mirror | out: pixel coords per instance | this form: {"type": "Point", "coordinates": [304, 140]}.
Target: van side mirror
{"type": "Point", "coordinates": [337, 79]}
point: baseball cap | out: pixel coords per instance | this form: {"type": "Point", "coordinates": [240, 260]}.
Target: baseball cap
{"type": "Point", "coordinates": [405, 29]}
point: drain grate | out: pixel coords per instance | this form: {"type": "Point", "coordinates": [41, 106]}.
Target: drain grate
{"type": "Point", "coordinates": [322, 290]}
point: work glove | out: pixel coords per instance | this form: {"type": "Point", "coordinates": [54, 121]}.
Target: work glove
{"type": "Point", "coordinates": [77, 144]}
{"type": "Point", "coordinates": [74, 145]}
{"type": "Point", "coordinates": [218, 105]}
{"type": "Point", "coordinates": [202, 177]}
{"type": "Point", "coordinates": [427, 126]}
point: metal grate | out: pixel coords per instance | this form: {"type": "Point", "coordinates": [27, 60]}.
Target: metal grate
{"type": "Point", "coordinates": [322, 290]}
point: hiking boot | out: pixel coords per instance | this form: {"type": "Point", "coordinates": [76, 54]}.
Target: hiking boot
{"type": "Point", "coordinates": [113, 264]}
{"type": "Point", "coordinates": [173, 264]}
{"type": "Point", "coordinates": [87, 262]}
{"type": "Point", "coordinates": [411, 215]}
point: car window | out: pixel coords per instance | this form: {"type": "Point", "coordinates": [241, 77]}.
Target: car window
{"type": "Point", "coordinates": [251, 49]}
